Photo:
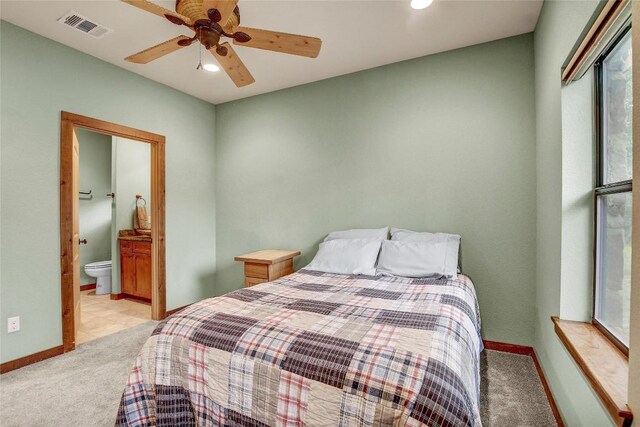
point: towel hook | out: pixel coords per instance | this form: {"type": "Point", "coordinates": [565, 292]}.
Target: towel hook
{"type": "Point", "coordinates": [139, 197]}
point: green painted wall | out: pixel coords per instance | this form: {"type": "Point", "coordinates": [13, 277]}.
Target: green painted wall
{"type": "Point", "coordinates": [29, 220]}
{"type": "Point", "coordinates": [132, 175]}
{"type": "Point", "coordinates": [578, 177]}
{"type": "Point", "coordinates": [559, 26]}
{"type": "Point", "coordinates": [467, 141]}
{"type": "Point", "coordinates": [634, 332]}
{"type": "Point", "coordinates": [95, 213]}
{"type": "Point", "coordinates": [439, 143]}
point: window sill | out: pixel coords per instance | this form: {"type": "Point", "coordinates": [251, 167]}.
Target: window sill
{"type": "Point", "coordinates": [604, 365]}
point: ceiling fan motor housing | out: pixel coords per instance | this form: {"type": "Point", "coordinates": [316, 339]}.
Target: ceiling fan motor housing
{"type": "Point", "coordinates": [193, 10]}
{"type": "Point", "coordinates": [207, 36]}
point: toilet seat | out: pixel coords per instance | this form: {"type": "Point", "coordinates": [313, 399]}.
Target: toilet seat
{"type": "Point", "coordinates": [97, 264]}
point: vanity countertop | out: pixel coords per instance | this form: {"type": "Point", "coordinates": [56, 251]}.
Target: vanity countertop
{"type": "Point", "coordinates": [131, 235]}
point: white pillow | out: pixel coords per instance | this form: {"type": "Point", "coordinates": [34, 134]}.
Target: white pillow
{"type": "Point", "coordinates": [413, 259]}
{"type": "Point", "coordinates": [414, 236]}
{"type": "Point", "coordinates": [452, 240]}
{"type": "Point", "coordinates": [360, 233]}
{"type": "Point", "coordinates": [346, 256]}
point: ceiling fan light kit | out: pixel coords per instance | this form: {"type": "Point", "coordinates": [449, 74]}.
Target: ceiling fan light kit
{"type": "Point", "coordinates": [212, 68]}
{"type": "Point", "coordinates": [211, 20]}
{"type": "Point", "coordinates": [421, 4]}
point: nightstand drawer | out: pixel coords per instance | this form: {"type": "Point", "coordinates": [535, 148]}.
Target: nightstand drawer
{"type": "Point", "coordinates": [250, 281]}
{"type": "Point", "coordinates": [256, 270]}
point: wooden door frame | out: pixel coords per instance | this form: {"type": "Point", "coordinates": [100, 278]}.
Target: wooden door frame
{"type": "Point", "coordinates": [68, 122]}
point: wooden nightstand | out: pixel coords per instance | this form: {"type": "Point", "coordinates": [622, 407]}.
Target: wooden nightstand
{"type": "Point", "coordinates": [267, 265]}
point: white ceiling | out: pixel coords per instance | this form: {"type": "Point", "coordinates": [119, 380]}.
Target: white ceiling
{"type": "Point", "coordinates": [356, 35]}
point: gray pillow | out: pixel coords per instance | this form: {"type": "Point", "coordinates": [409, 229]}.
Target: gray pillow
{"type": "Point", "coordinates": [452, 245]}
{"type": "Point", "coordinates": [413, 259]}
{"type": "Point", "coordinates": [346, 256]}
{"type": "Point", "coordinates": [360, 233]}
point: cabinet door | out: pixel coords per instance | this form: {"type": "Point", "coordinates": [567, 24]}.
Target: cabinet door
{"type": "Point", "coordinates": [143, 276]}
{"type": "Point", "coordinates": [128, 273]}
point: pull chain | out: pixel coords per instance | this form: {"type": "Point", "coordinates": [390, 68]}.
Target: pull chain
{"type": "Point", "coordinates": [199, 67]}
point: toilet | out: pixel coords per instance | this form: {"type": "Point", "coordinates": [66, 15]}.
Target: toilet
{"type": "Point", "coordinates": [101, 270]}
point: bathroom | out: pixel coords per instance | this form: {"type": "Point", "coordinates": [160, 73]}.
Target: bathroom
{"type": "Point", "coordinates": [114, 234]}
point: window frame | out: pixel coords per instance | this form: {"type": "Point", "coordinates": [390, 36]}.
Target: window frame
{"type": "Point", "coordinates": [601, 189]}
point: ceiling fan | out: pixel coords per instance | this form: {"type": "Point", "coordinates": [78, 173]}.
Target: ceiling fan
{"type": "Point", "coordinates": [211, 20]}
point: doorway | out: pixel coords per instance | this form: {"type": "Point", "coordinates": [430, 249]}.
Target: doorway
{"type": "Point", "coordinates": [70, 239]}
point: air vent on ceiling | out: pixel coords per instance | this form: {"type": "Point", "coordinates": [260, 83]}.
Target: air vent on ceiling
{"type": "Point", "coordinates": [87, 26]}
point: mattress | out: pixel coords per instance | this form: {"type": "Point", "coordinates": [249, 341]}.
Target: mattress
{"type": "Point", "coordinates": [314, 349]}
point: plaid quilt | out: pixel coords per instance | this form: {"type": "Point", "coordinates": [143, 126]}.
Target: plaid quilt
{"type": "Point", "coordinates": [314, 349]}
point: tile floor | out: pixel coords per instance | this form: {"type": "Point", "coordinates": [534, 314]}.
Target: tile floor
{"type": "Point", "coordinates": [100, 316]}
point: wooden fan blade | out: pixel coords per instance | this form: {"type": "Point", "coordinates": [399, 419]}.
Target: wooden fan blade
{"type": "Point", "coordinates": [156, 10]}
{"type": "Point", "coordinates": [281, 42]}
{"type": "Point", "coordinates": [157, 51]}
{"type": "Point", "coordinates": [233, 66]}
{"type": "Point", "coordinates": [225, 7]}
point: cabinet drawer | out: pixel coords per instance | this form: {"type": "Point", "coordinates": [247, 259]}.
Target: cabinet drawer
{"type": "Point", "coordinates": [250, 281]}
{"type": "Point", "coordinates": [142, 247]}
{"type": "Point", "coordinates": [125, 246]}
{"type": "Point", "coordinates": [256, 270]}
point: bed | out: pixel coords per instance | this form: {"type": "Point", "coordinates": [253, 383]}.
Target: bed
{"type": "Point", "coordinates": [315, 349]}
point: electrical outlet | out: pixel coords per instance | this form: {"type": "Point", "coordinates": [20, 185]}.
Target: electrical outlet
{"type": "Point", "coordinates": [13, 324]}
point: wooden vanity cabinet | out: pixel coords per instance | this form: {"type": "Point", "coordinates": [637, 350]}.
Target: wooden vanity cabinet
{"type": "Point", "coordinates": [135, 269]}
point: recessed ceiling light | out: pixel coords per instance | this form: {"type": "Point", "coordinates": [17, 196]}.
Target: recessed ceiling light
{"type": "Point", "coordinates": [211, 67]}
{"type": "Point", "coordinates": [420, 4]}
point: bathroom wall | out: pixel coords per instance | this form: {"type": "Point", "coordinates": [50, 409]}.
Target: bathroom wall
{"type": "Point", "coordinates": [110, 164]}
{"type": "Point", "coordinates": [131, 172]}
{"type": "Point", "coordinates": [95, 213]}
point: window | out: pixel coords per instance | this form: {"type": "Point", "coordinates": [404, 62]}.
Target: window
{"type": "Point", "coordinates": [612, 276]}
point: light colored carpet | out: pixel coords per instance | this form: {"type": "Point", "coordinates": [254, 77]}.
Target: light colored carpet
{"type": "Point", "coordinates": [83, 388]}
{"type": "Point", "coordinates": [511, 392]}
